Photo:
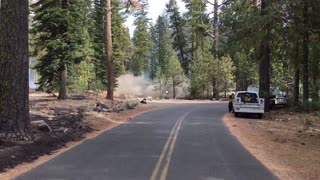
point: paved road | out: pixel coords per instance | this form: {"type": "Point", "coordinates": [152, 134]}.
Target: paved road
{"type": "Point", "coordinates": [184, 142]}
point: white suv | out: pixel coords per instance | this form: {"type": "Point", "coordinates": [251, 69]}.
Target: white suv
{"type": "Point", "coordinates": [248, 102]}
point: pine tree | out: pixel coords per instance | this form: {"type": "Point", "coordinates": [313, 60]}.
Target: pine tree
{"type": "Point", "coordinates": [199, 22]}
{"type": "Point", "coordinates": [162, 42]}
{"type": "Point", "coordinates": [121, 39]}
{"type": "Point", "coordinates": [174, 72]}
{"type": "Point", "coordinates": [121, 43]}
{"type": "Point", "coordinates": [226, 74]}
{"type": "Point", "coordinates": [203, 69]}
{"type": "Point", "coordinates": [140, 40]}
{"type": "Point", "coordinates": [82, 74]}
{"type": "Point", "coordinates": [59, 34]}
{"type": "Point", "coordinates": [177, 26]}
{"type": "Point", "coordinates": [109, 50]}
{"type": "Point", "coordinates": [153, 54]}
{"type": "Point", "coordinates": [202, 59]}
{"type": "Point", "coordinates": [109, 47]}
{"type": "Point", "coordinates": [98, 37]}
{"type": "Point", "coordinates": [165, 66]}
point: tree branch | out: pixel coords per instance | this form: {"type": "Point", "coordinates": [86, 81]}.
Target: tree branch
{"type": "Point", "coordinates": [213, 36]}
{"type": "Point", "coordinates": [219, 5]}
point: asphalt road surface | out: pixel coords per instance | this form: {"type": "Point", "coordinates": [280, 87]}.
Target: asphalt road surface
{"type": "Point", "coordinates": [184, 142]}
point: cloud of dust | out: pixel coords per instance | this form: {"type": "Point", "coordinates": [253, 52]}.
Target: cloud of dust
{"type": "Point", "coordinates": [130, 86]}
{"type": "Point", "coordinates": [182, 91]}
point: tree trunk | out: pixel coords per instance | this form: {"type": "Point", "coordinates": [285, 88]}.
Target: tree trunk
{"type": "Point", "coordinates": [265, 60]}
{"type": "Point", "coordinates": [305, 68]}
{"type": "Point", "coordinates": [14, 70]}
{"type": "Point", "coordinates": [225, 90]}
{"type": "Point", "coordinates": [63, 93]}
{"type": "Point", "coordinates": [109, 51]}
{"type": "Point", "coordinates": [215, 29]}
{"type": "Point", "coordinates": [174, 90]}
{"type": "Point", "coordinates": [296, 93]}
{"type": "Point", "coordinates": [315, 77]}
{"type": "Point", "coordinates": [264, 79]}
{"type": "Point", "coordinates": [63, 84]}
{"type": "Point", "coordinates": [214, 92]}
{"type": "Point", "coordinates": [160, 87]}
{"type": "Point", "coordinates": [296, 86]}
{"type": "Point", "coordinates": [0, 14]}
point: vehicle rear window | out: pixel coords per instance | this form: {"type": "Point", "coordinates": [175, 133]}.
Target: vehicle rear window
{"type": "Point", "coordinates": [248, 97]}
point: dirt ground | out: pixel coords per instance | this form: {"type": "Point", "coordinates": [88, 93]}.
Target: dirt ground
{"type": "Point", "coordinates": [287, 143]}
{"type": "Point", "coordinates": [68, 122]}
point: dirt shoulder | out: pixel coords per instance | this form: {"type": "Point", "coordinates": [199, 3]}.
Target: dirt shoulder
{"type": "Point", "coordinates": [61, 125]}
{"type": "Point", "coordinates": [286, 143]}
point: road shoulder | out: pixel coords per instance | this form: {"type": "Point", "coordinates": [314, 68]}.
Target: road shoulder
{"type": "Point", "coordinates": [284, 146]}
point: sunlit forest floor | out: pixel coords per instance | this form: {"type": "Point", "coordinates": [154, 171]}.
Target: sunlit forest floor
{"type": "Point", "coordinates": [287, 143]}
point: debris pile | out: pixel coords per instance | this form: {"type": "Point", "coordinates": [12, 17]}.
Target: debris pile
{"type": "Point", "coordinates": [115, 107]}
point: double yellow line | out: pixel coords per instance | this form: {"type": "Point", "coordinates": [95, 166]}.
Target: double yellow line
{"type": "Point", "coordinates": [167, 151]}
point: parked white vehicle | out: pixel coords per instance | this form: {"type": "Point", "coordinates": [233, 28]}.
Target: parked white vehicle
{"type": "Point", "coordinates": [277, 97]}
{"type": "Point", "coordinates": [248, 102]}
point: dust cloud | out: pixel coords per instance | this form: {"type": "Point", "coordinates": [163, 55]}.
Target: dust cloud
{"type": "Point", "coordinates": [130, 86]}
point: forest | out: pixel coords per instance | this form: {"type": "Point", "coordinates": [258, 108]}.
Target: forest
{"type": "Point", "coordinates": [83, 45]}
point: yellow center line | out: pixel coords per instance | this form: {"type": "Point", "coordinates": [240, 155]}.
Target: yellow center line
{"type": "Point", "coordinates": [173, 134]}
{"type": "Point", "coordinates": [157, 168]}
{"type": "Point", "coordinates": [169, 156]}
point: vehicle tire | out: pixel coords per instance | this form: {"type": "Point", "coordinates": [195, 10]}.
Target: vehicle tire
{"type": "Point", "coordinates": [236, 114]}
{"type": "Point", "coordinates": [260, 116]}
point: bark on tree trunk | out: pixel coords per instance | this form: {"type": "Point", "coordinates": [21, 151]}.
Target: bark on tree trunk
{"type": "Point", "coordinates": [109, 51]}
{"type": "Point", "coordinates": [0, 14]}
{"type": "Point", "coordinates": [264, 79]}
{"type": "Point", "coordinates": [174, 90]}
{"type": "Point", "coordinates": [214, 92]}
{"type": "Point", "coordinates": [265, 60]}
{"type": "Point", "coordinates": [296, 93]}
{"type": "Point", "coordinates": [63, 84]}
{"type": "Point", "coordinates": [306, 51]}
{"type": "Point", "coordinates": [14, 70]}
{"type": "Point", "coordinates": [314, 80]}
{"type": "Point", "coordinates": [160, 89]}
